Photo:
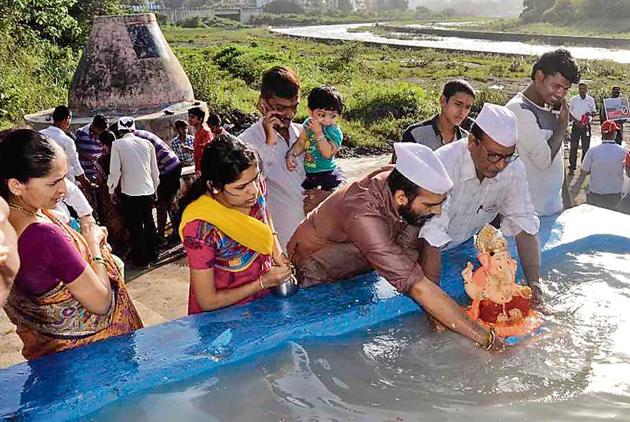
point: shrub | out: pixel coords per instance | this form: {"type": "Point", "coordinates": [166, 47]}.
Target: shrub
{"type": "Point", "coordinates": [227, 55]}
{"type": "Point", "coordinates": [496, 70]}
{"type": "Point", "coordinates": [33, 78]}
{"type": "Point", "coordinates": [373, 103]}
{"type": "Point", "coordinates": [192, 22]}
{"type": "Point", "coordinates": [203, 75]}
{"type": "Point", "coordinates": [391, 130]}
{"type": "Point", "coordinates": [248, 63]}
{"type": "Point", "coordinates": [213, 85]}
{"type": "Point", "coordinates": [162, 19]}
{"type": "Point", "coordinates": [222, 23]}
{"type": "Point", "coordinates": [283, 6]}
{"type": "Point", "coordinates": [345, 59]}
{"type": "Point", "coordinates": [488, 95]}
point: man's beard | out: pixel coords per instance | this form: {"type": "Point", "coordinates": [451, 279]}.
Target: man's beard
{"type": "Point", "coordinates": [413, 219]}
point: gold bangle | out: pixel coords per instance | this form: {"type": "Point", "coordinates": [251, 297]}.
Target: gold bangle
{"type": "Point", "coordinates": [492, 337]}
{"type": "Point", "coordinates": [260, 280]}
{"type": "Point", "coordinates": [99, 260]}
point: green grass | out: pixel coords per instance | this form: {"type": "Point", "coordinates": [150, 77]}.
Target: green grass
{"type": "Point", "coordinates": [385, 88]}
{"type": "Point", "coordinates": [328, 18]}
{"type": "Point", "coordinates": [32, 78]}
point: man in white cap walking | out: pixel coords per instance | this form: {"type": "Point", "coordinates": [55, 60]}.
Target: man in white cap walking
{"type": "Point", "coordinates": [373, 224]}
{"type": "Point", "coordinates": [488, 180]}
{"type": "Point", "coordinates": [134, 165]}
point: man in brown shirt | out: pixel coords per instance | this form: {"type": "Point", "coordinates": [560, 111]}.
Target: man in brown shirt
{"type": "Point", "coordinates": [373, 224]}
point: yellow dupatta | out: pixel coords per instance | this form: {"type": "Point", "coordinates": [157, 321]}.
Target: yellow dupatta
{"type": "Point", "coordinates": [248, 231]}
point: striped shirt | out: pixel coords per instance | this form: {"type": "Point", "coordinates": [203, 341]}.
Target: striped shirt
{"type": "Point", "coordinates": [167, 160]}
{"type": "Point", "coordinates": [89, 149]}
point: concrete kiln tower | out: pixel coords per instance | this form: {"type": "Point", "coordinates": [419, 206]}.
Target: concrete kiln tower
{"type": "Point", "coordinates": [128, 68]}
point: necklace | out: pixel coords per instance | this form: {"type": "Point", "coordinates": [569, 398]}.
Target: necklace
{"type": "Point", "coordinates": [24, 210]}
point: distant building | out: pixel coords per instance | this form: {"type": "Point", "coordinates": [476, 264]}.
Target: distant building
{"type": "Point", "coordinates": [332, 4]}
{"type": "Point", "coordinates": [319, 4]}
{"type": "Point", "coordinates": [363, 5]}
{"type": "Point", "coordinates": [307, 4]}
{"type": "Point", "coordinates": [262, 3]}
{"type": "Point", "coordinates": [235, 4]}
{"type": "Point", "coordinates": [146, 6]}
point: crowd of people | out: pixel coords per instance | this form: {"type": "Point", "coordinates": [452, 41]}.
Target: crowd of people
{"type": "Point", "coordinates": [273, 202]}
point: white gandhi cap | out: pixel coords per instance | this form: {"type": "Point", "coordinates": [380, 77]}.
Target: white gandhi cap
{"type": "Point", "coordinates": [126, 123]}
{"type": "Point", "coordinates": [499, 123]}
{"type": "Point", "coordinates": [420, 165]}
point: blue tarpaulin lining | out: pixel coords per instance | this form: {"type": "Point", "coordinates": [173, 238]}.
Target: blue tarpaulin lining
{"type": "Point", "coordinates": [72, 384]}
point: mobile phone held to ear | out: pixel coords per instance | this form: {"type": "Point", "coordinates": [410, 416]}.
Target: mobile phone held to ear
{"type": "Point", "coordinates": [556, 108]}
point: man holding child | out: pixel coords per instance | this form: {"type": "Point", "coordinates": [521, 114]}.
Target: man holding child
{"type": "Point", "coordinates": [273, 136]}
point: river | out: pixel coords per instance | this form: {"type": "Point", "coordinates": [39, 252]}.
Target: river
{"type": "Point", "coordinates": [578, 371]}
{"type": "Point", "coordinates": [340, 32]}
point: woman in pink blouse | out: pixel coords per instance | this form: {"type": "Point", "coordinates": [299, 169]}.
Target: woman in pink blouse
{"type": "Point", "coordinates": [68, 291]}
{"type": "Point", "coordinates": [232, 249]}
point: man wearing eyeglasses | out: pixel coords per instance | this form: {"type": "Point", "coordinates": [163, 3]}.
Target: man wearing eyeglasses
{"type": "Point", "coordinates": [273, 135]}
{"type": "Point", "coordinates": [278, 103]}
{"type": "Point", "coordinates": [488, 180]}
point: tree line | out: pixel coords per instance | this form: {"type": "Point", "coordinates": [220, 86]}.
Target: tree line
{"type": "Point", "coordinates": [41, 43]}
{"type": "Point", "coordinates": [567, 11]}
{"type": "Point", "coordinates": [66, 23]}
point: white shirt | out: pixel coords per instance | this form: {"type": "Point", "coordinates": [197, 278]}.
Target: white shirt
{"type": "Point", "coordinates": [67, 143]}
{"type": "Point", "coordinates": [285, 195]}
{"type": "Point", "coordinates": [471, 204]}
{"type": "Point", "coordinates": [606, 164]}
{"type": "Point", "coordinates": [134, 165]}
{"type": "Point", "coordinates": [544, 174]}
{"type": "Point", "coordinates": [75, 199]}
{"type": "Point", "coordinates": [579, 107]}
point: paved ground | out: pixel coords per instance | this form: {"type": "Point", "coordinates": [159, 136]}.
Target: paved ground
{"type": "Point", "coordinates": [160, 294]}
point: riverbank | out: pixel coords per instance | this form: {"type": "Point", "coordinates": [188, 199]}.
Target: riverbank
{"type": "Point", "coordinates": [591, 28]}
{"type": "Point", "coordinates": [386, 88]}
{"type": "Point", "coordinates": [528, 37]}
{"type": "Point", "coordinates": [602, 27]}
{"type": "Point", "coordinates": [373, 35]}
